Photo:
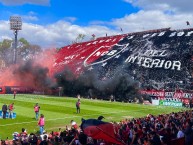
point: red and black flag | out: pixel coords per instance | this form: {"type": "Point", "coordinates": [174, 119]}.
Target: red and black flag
{"type": "Point", "coordinates": [98, 129]}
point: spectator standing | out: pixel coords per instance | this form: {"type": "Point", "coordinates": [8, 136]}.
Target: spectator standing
{"type": "Point", "coordinates": [44, 141]}
{"type": "Point", "coordinates": [82, 138]}
{"type": "Point", "coordinates": [135, 137]}
{"type": "Point", "coordinates": [36, 110]}
{"type": "Point", "coordinates": [14, 94]}
{"type": "Point", "coordinates": [41, 123]}
{"type": "Point", "coordinates": [155, 138]}
{"type": "Point", "coordinates": [74, 124]}
{"type": "Point", "coordinates": [11, 107]}
{"type": "Point", "coordinates": [78, 106]}
{"type": "Point", "coordinates": [180, 132]}
{"type": "Point", "coordinates": [4, 110]}
{"type": "Point", "coordinates": [7, 141]}
{"type": "Point", "coordinates": [33, 140]}
{"type": "Point", "coordinates": [23, 137]}
{"type": "Point", "coordinates": [188, 133]}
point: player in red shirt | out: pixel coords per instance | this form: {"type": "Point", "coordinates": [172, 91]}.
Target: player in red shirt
{"type": "Point", "coordinates": [36, 110]}
{"type": "Point", "coordinates": [11, 107]}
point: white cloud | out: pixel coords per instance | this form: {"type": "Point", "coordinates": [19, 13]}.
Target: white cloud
{"type": "Point", "coordinates": [154, 19]}
{"type": "Point", "coordinates": [21, 2]}
{"type": "Point", "coordinates": [70, 19]}
{"type": "Point", "coordinates": [5, 30]}
{"type": "Point", "coordinates": [31, 16]}
{"type": "Point", "coordinates": [57, 34]}
{"type": "Point", "coordinates": [157, 14]}
{"type": "Point", "coordinates": [177, 6]}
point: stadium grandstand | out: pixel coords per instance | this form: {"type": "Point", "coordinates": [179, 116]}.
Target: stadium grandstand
{"type": "Point", "coordinates": [160, 60]}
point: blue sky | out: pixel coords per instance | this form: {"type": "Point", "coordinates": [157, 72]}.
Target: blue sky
{"type": "Point", "coordinates": [56, 23]}
{"type": "Point", "coordinates": [84, 11]}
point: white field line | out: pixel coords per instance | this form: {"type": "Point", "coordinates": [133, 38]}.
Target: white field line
{"type": "Point", "coordinates": [133, 111]}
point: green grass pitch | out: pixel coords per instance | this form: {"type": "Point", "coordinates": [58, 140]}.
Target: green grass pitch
{"type": "Point", "coordinates": [59, 111]}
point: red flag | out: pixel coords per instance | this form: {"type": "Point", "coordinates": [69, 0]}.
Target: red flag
{"type": "Point", "coordinates": [100, 130]}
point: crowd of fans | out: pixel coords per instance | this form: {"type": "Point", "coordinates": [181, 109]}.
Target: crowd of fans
{"type": "Point", "coordinates": [163, 129]}
{"type": "Point", "coordinates": [158, 130]}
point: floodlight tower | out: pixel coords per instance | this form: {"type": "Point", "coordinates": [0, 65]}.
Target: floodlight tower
{"type": "Point", "coordinates": [15, 25]}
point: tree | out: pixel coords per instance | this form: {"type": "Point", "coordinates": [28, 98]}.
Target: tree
{"type": "Point", "coordinates": [28, 51]}
{"type": "Point", "coordinates": [5, 51]}
{"type": "Point", "coordinates": [24, 41]}
{"type": "Point", "coordinates": [79, 38]}
{"type": "Point", "coordinates": [25, 50]}
{"type": "Point", "coordinates": [5, 44]}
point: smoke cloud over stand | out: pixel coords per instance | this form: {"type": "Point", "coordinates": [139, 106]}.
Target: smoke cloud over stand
{"type": "Point", "coordinates": [34, 75]}
{"type": "Point", "coordinates": [91, 85]}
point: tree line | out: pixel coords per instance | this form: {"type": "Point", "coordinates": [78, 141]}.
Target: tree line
{"type": "Point", "coordinates": [25, 51]}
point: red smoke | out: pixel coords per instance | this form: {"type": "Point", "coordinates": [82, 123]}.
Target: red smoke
{"type": "Point", "coordinates": [35, 73]}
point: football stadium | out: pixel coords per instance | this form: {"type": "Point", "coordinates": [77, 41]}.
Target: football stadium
{"type": "Point", "coordinates": [128, 88]}
{"type": "Point", "coordinates": [132, 80]}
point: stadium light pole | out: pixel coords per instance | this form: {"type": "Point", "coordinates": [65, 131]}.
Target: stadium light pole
{"type": "Point", "coordinates": [15, 25]}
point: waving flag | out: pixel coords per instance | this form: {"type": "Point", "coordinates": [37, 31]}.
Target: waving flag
{"type": "Point", "coordinates": [98, 129]}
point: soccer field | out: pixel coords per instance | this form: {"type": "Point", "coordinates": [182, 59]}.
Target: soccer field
{"type": "Point", "coordinates": [59, 111]}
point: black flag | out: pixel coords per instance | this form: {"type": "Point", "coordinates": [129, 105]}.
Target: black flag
{"type": "Point", "coordinates": [188, 23]}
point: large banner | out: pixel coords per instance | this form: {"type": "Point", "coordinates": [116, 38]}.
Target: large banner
{"type": "Point", "coordinates": [164, 94]}
{"type": "Point", "coordinates": [157, 59]}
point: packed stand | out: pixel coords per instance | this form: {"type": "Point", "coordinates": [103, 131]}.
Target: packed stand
{"type": "Point", "coordinates": [164, 129]}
